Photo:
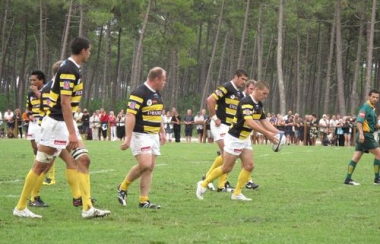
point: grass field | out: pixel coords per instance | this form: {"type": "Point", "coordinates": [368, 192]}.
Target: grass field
{"type": "Point", "coordinates": [301, 199]}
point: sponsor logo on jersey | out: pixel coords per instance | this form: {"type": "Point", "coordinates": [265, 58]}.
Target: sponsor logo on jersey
{"type": "Point", "coordinates": [132, 104]}
{"type": "Point", "coordinates": [362, 114]}
{"type": "Point", "coordinates": [66, 84]}
{"type": "Point", "coordinates": [247, 112]}
{"type": "Point", "coordinates": [149, 102]}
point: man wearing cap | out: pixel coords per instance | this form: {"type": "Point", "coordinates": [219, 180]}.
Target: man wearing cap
{"type": "Point", "coordinates": [324, 128]}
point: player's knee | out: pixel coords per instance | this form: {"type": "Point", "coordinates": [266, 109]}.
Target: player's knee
{"type": "Point", "coordinates": [44, 157]}
{"type": "Point", "coordinates": [80, 153]}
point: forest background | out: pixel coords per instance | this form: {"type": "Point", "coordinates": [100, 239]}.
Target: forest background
{"type": "Point", "coordinates": [319, 56]}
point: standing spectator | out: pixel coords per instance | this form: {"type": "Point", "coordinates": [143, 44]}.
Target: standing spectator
{"type": "Point", "coordinates": [199, 121]}
{"type": "Point", "coordinates": [289, 132]}
{"type": "Point", "coordinates": [298, 129]}
{"type": "Point", "coordinates": [9, 118]}
{"type": "Point", "coordinates": [78, 118]}
{"type": "Point", "coordinates": [324, 129]}
{"type": "Point", "coordinates": [25, 120]}
{"type": "Point", "coordinates": [86, 123]}
{"type": "Point", "coordinates": [176, 120]}
{"type": "Point", "coordinates": [144, 133]}
{"type": "Point", "coordinates": [332, 129]}
{"type": "Point", "coordinates": [188, 120]}
{"type": "Point", "coordinates": [120, 125]}
{"type": "Point", "coordinates": [95, 125]}
{"type": "Point", "coordinates": [347, 127]}
{"type": "Point", "coordinates": [104, 118]}
{"type": "Point", "coordinates": [313, 129]}
{"type": "Point", "coordinates": [167, 120]}
{"type": "Point", "coordinates": [18, 119]}
{"type": "Point", "coordinates": [339, 133]}
{"type": "Point", "coordinates": [112, 123]}
{"type": "Point", "coordinates": [366, 124]}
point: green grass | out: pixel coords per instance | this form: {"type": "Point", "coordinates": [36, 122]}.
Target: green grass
{"type": "Point", "coordinates": [301, 199]}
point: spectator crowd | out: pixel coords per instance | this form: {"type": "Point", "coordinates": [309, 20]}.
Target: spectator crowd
{"type": "Point", "coordinates": [334, 130]}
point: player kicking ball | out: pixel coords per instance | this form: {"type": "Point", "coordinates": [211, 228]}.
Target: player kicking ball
{"type": "Point", "coordinates": [249, 116]}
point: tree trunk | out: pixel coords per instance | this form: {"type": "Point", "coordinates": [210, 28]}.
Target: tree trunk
{"type": "Point", "coordinates": [339, 54]}
{"type": "Point", "coordinates": [208, 78]}
{"type": "Point", "coordinates": [66, 32]}
{"type": "Point", "coordinates": [281, 88]}
{"type": "Point", "coordinates": [371, 30]}
{"type": "Point", "coordinates": [326, 104]}
{"type": "Point", "coordinates": [260, 47]}
{"type": "Point", "coordinates": [354, 93]}
{"type": "Point", "coordinates": [136, 66]}
{"type": "Point", "coordinates": [240, 62]}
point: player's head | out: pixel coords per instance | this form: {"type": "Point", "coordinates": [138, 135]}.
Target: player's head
{"type": "Point", "coordinates": [81, 46]}
{"type": "Point", "coordinates": [260, 91]}
{"type": "Point", "coordinates": [373, 96]}
{"type": "Point", "coordinates": [240, 78]}
{"type": "Point", "coordinates": [37, 78]}
{"type": "Point", "coordinates": [56, 66]}
{"type": "Point", "coordinates": [249, 85]}
{"type": "Point", "coordinates": [157, 78]}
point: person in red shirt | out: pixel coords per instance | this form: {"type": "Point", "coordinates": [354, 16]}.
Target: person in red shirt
{"type": "Point", "coordinates": [104, 118]}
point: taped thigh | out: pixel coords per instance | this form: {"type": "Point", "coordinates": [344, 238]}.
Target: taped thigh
{"type": "Point", "coordinates": [79, 152]}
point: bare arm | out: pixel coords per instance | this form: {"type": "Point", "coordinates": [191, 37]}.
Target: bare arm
{"type": "Point", "coordinates": [130, 121]}
{"type": "Point", "coordinates": [68, 117]}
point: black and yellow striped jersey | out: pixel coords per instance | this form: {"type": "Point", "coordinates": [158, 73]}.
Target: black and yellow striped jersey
{"type": "Point", "coordinates": [33, 105]}
{"type": "Point", "coordinates": [247, 109]}
{"type": "Point", "coordinates": [227, 99]}
{"type": "Point", "coordinates": [147, 106]}
{"type": "Point", "coordinates": [67, 82]}
{"type": "Point", "coordinates": [44, 105]}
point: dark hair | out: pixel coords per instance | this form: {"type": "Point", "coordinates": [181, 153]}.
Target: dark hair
{"type": "Point", "coordinates": [241, 72]}
{"type": "Point", "coordinates": [78, 44]}
{"type": "Point", "coordinates": [40, 75]}
{"type": "Point", "coordinates": [373, 91]}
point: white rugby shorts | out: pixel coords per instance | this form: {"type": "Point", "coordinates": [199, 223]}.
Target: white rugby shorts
{"type": "Point", "coordinates": [235, 146]}
{"type": "Point", "coordinates": [142, 143]}
{"type": "Point", "coordinates": [33, 130]}
{"type": "Point", "coordinates": [219, 132]}
{"type": "Point", "coordinates": [54, 133]}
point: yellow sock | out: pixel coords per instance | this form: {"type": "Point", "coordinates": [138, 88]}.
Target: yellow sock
{"type": "Point", "coordinates": [212, 176]}
{"type": "Point", "coordinates": [37, 186]}
{"type": "Point", "coordinates": [242, 180]}
{"type": "Point", "coordinates": [217, 162]}
{"type": "Point", "coordinates": [222, 181]}
{"type": "Point", "coordinates": [143, 199]}
{"type": "Point", "coordinates": [73, 181]}
{"type": "Point", "coordinates": [125, 184]}
{"type": "Point", "coordinates": [52, 172]}
{"type": "Point", "coordinates": [85, 189]}
{"type": "Point", "coordinates": [30, 180]}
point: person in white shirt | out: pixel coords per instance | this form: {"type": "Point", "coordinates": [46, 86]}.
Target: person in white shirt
{"type": "Point", "coordinates": [199, 121]}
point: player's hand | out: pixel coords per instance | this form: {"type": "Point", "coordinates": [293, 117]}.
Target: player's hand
{"type": "Point", "coordinates": [162, 138]}
{"type": "Point", "coordinates": [73, 142]}
{"type": "Point", "coordinates": [218, 122]}
{"type": "Point", "coordinates": [126, 144]}
{"type": "Point", "coordinates": [361, 138]}
{"type": "Point", "coordinates": [273, 137]}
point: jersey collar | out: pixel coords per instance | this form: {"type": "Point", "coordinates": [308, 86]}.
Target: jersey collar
{"type": "Point", "coordinates": [150, 88]}
{"type": "Point", "coordinates": [72, 60]}
{"type": "Point", "coordinates": [253, 99]}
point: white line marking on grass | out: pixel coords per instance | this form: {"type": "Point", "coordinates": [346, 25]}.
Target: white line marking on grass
{"type": "Point", "coordinates": [102, 171]}
{"type": "Point", "coordinates": [161, 164]}
{"type": "Point", "coordinates": [12, 196]}
{"type": "Point", "coordinates": [9, 181]}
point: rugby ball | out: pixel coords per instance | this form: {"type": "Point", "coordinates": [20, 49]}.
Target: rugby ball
{"type": "Point", "coordinates": [281, 142]}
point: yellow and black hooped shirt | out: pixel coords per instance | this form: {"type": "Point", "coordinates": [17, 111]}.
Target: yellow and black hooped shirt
{"type": "Point", "coordinates": [146, 104]}
{"type": "Point", "coordinates": [33, 105]}
{"type": "Point", "coordinates": [247, 109]}
{"type": "Point", "coordinates": [227, 99]}
{"type": "Point", "coordinates": [67, 82]}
